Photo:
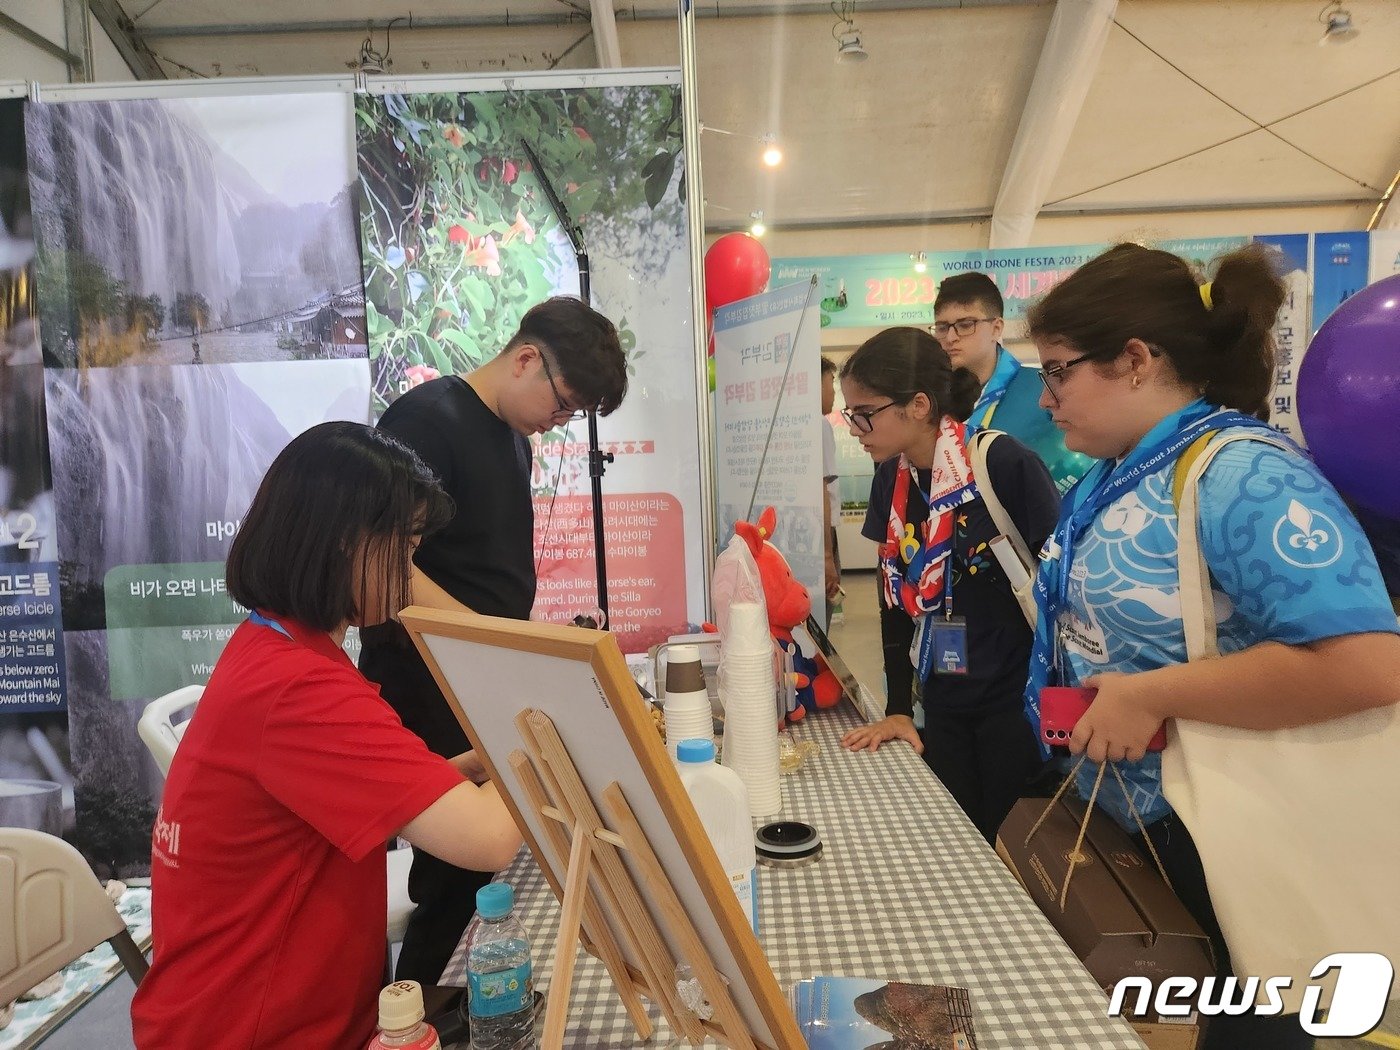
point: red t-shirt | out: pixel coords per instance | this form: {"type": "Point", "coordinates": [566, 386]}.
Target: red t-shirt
{"type": "Point", "coordinates": [268, 855]}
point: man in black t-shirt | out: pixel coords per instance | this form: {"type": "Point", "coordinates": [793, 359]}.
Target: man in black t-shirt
{"type": "Point", "coordinates": [472, 431]}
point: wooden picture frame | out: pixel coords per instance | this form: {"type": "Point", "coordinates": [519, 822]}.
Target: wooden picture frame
{"type": "Point", "coordinates": [622, 848]}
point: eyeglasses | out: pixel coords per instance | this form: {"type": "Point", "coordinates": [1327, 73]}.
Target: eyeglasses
{"type": "Point", "coordinates": [1054, 376]}
{"type": "Point", "coordinates": [963, 325]}
{"type": "Point", "coordinates": [564, 409]}
{"type": "Point", "coordinates": [860, 418]}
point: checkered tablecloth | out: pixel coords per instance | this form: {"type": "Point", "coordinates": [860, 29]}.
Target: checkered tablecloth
{"type": "Point", "coordinates": [906, 889]}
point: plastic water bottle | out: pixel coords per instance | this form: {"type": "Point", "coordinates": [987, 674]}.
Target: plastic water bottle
{"type": "Point", "coordinates": [401, 1024]}
{"type": "Point", "coordinates": [500, 986]}
{"type": "Point", "coordinates": [722, 803]}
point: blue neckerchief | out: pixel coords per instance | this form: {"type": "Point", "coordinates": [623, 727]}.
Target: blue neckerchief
{"type": "Point", "coordinates": [1105, 482]}
{"type": "Point", "coordinates": [262, 621]}
{"type": "Point", "coordinates": [1007, 369]}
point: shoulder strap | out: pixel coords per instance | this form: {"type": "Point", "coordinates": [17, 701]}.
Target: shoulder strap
{"type": "Point", "coordinates": [981, 441]}
{"type": "Point", "coordinates": [1193, 575]}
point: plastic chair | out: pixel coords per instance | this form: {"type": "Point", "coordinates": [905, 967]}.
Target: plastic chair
{"type": "Point", "coordinates": [162, 735]}
{"type": "Point", "coordinates": [56, 911]}
{"type": "Point", "coordinates": [158, 729]}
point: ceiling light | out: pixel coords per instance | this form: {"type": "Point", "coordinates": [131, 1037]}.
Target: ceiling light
{"type": "Point", "coordinates": [845, 33]}
{"type": "Point", "coordinates": [920, 262]}
{"type": "Point", "coordinates": [757, 228]}
{"type": "Point", "coordinates": [849, 48]}
{"type": "Point", "coordinates": [1338, 26]}
{"type": "Point", "coordinates": [772, 154]}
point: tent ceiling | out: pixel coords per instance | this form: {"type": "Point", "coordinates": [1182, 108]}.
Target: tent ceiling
{"type": "Point", "coordinates": [922, 130]}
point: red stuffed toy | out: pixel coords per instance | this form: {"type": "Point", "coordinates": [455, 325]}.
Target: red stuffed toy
{"type": "Point", "coordinates": [789, 605]}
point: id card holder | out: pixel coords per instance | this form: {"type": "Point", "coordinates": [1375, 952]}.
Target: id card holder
{"type": "Point", "coordinates": [948, 644]}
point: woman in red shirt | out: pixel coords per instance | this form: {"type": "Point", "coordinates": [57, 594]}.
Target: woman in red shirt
{"type": "Point", "coordinates": [268, 854]}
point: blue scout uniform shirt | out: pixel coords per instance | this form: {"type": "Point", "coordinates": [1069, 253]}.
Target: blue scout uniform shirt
{"type": "Point", "coordinates": [1010, 402]}
{"type": "Point", "coordinates": [1287, 561]}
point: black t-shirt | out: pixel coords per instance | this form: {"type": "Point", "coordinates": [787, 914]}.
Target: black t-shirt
{"type": "Point", "coordinates": [998, 638]}
{"type": "Point", "coordinates": [484, 557]}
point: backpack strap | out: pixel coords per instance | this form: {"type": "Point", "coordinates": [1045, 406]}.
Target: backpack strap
{"type": "Point", "coordinates": [977, 448]}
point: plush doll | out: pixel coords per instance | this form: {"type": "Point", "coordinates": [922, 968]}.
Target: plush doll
{"type": "Point", "coordinates": [789, 605]}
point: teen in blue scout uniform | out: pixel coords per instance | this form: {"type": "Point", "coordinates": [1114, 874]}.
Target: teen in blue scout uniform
{"type": "Point", "coordinates": [968, 323]}
{"type": "Point", "coordinates": [1138, 361]}
{"type": "Point", "coordinates": [947, 611]}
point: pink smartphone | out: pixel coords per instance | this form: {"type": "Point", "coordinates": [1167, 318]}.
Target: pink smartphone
{"type": "Point", "coordinates": [1062, 706]}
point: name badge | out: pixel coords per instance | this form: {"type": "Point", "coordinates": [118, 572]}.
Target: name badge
{"type": "Point", "coordinates": [940, 646]}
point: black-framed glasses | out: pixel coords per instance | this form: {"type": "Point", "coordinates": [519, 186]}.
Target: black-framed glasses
{"type": "Point", "coordinates": [564, 409]}
{"type": "Point", "coordinates": [1054, 376]}
{"type": "Point", "coordinates": [963, 325]}
{"type": "Point", "coordinates": [860, 418]}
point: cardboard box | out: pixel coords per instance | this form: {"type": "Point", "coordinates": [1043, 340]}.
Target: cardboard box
{"type": "Point", "coordinates": [1168, 1036]}
{"type": "Point", "coordinates": [1120, 918]}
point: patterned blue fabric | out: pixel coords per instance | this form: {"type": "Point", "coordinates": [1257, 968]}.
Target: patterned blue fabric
{"type": "Point", "coordinates": [1287, 560]}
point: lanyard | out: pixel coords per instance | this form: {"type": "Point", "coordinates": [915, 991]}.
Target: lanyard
{"type": "Point", "coordinates": [1108, 481]}
{"type": "Point", "coordinates": [262, 621]}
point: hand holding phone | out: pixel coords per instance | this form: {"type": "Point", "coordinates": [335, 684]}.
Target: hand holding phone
{"type": "Point", "coordinates": [1062, 706]}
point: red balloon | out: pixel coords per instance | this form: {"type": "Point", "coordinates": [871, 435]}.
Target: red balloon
{"type": "Point", "coordinates": [736, 267]}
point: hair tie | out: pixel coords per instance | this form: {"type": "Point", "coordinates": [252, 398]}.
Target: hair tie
{"type": "Point", "coordinates": [1205, 295]}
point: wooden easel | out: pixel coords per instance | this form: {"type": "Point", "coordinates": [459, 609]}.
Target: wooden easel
{"type": "Point", "coordinates": [599, 896]}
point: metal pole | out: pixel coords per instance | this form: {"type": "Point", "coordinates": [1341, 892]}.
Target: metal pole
{"type": "Point", "coordinates": [695, 220]}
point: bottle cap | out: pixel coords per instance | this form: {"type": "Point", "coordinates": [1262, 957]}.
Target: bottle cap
{"type": "Point", "coordinates": [495, 900]}
{"type": "Point", "coordinates": [695, 751]}
{"type": "Point", "coordinates": [400, 1006]}
{"type": "Point", "coordinates": [683, 673]}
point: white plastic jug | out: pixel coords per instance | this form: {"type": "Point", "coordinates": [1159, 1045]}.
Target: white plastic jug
{"type": "Point", "coordinates": [722, 802]}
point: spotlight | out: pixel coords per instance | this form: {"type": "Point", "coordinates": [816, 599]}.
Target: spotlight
{"type": "Point", "coordinates": [1337, 23]}
{"type": "Point", "coordinates": [756, 227]}
{"type": "Point", "coordinates": [849, 48]}
{"type": "Point", "coordinates": [920, 261]}
{"type": "Point", "coordinates": [772, 154]}
{"type": "Point", "coordinates": [845, 33]}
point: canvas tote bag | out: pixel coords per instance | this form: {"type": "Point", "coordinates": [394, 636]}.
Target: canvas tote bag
{"type": "Point", "coordinates": [1297, 828]}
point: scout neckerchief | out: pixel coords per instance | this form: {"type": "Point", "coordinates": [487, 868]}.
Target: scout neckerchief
{"type": "Point", "coordinates": [914, 568]}
{"type": "Point", "coordinates": [1007, 369]}
{"type": "Point", "coordinates": [1105, 482]}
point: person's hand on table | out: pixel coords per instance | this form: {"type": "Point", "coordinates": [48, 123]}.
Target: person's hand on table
{"type": "Point", "coordinates": [891, 727]}
{"type": "Point", "coordinates": [469, 764]}
{"type": "Point", "coordinates": [1118, 725]}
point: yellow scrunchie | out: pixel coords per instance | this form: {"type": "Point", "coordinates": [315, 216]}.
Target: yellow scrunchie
{"type": "Point", "coordinates": [1205, 295]}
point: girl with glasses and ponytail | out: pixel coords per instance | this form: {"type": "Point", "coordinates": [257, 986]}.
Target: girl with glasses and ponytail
{"type": "Point", "coordinates": [1149, 372]}
{"type": "Point", "coordinates": [950, 624]}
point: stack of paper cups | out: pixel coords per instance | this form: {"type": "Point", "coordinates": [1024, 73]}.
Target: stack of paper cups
{"type": "Point", "coordinates": [747, 689]}
{"type": "Point", "coordinates": [687, 702]}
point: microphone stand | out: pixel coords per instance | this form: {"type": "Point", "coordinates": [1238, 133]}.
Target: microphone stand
{"type": "Point", "coordinates": [597, 459]}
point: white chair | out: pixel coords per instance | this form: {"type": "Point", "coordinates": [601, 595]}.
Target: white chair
{"type": "Point", "coordinates": [55, 911]}
{"type": "Point", "coordinates": [158, 729]}
{"type": "Point", "coordinates": [162, 735]}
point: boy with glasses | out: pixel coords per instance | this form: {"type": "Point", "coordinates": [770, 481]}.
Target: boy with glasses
{"type": "Point", "coordinates": [968, 324]}
{"type": "Point", "coordinates": [472, 430]}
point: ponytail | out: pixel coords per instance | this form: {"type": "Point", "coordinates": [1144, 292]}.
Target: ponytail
{"type": "Point", "coordinates": [1246, 295]}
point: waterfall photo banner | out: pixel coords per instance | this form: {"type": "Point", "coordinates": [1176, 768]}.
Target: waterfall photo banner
{"type": "Point", "coordinates": [35, 782]}
{"type": "Point", "coordinates": [199, 306]}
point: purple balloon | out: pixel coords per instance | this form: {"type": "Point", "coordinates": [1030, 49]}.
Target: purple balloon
{"type": "Point", "coordinates": [1349, 397]}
